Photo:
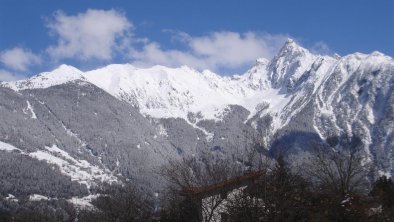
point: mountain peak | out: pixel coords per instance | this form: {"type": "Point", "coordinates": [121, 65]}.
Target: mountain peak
{"type": "Point", "coordinates": [64, 68]}
{"type": "Point", "coordinates": [289, 64]}
{"type": "Point", "coordinates": [291, 48]}
{"type": "Point", "coordinates": [62, 74]}
{"type": "Point", "coordinates": [289, 41]}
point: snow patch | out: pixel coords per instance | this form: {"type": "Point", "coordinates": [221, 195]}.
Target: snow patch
{"type": "Point", "coordinates": [383, 173]}
{"type": "Point", "coordinates": [83, 202]}
{"type": "Point", "coordinates": [12, 198]}
{"type": "Point", "coordinates": [30, 109]}
{"type": "Point", "coordinates": [161, 131]}
{"type": "Point", "coordinates": [79, 170]}
{"type": "Point", "coordinates": [209, 137]}
{"type": "Point", "coordinates": [8, 147]}
{"type": "Point", "coordinates": [370, 115]}
{"type": "Point", "coordinates": [37, 197]}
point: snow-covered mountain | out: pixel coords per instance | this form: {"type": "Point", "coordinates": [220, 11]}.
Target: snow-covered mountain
{"type": "Point", "coordinates": [61, 75]}
{"type": "Point", "coordinates": [163, 92]}
{"type": "Point", "coordinates": [119, 115]}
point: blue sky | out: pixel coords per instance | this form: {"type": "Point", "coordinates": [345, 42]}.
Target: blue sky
{"type": "Point", "coordinates": [224, 36]}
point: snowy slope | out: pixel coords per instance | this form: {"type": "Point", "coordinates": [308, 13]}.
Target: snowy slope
{"type": "Point", "coordinates": [163, 92]}
{"type": "Point", "coordinates": [279, 88]}
{"type": "Point", "coordinates": [61, 75]}
{"type": "Point", "coordinates": [78, 170]}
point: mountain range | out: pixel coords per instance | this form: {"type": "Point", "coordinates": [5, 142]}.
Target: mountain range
{"type": "Point", "coordinates": [65, 131]}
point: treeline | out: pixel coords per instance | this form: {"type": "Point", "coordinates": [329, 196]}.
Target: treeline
{"type": "Point", "coordinates": [331, 183]}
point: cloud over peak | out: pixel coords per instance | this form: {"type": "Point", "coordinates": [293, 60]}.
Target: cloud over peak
{"type": "Point", "coordinates": [94, 34]}
{"type": "Point", "coordinates": [216, 50]}
{"type": "Point", "coordinates": [102, 34]}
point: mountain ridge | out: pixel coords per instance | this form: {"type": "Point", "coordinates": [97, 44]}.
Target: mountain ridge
{"type": "Point", "coordinates": [125, 121]}
{"type": "Point", "coordinates": [163, 92]}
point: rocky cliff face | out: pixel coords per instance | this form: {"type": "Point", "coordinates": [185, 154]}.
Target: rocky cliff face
{"type": "Point", "coordinates": [122, 122]}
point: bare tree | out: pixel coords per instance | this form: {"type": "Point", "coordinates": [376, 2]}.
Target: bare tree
{"type": "Point", "coordinates": [278, 195]}
{"type": "Point", "coordinates": [341, 169]}
{"type": "Point", "coordinates": [120, 203]}
{"type": "Point", "coordinates": [188, 174]}
{"type": "Point", "coordinates": [338, 171]}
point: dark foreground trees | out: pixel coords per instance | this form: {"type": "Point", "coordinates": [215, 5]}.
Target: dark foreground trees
{"type": "Point", "coordinates": [188, 173]}
{"type": "Point", "coordinates": [338, 172]}
{"type": "Point", "coordinates": [119, 203]}
{"type": "Point", "coordinates": [116, 203]}
{"type": "Point", "coordinates": [383, 200]}
{"type": "Point", "coordinates": [331, 185]}
{"type": "Point", "coordinates": [37, 211]}
{"type": "Point", "coordinates": [279, 195]}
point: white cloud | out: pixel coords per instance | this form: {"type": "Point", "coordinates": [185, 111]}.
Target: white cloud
{"type": "Point", "coordinates": [7, 76]}
{"type": "Point", "coordinates": [229, 50]}
{"type": "Point", "coordinates": [153, 54]}
{"type": "Point", "coordinates": [18, 58]}
{"type": "Point", "coordinates": [106, 35]}
{"type": "Point", "coordinates": [95, 34]}
{"type": "Point", "coordinates": [321, 48]}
